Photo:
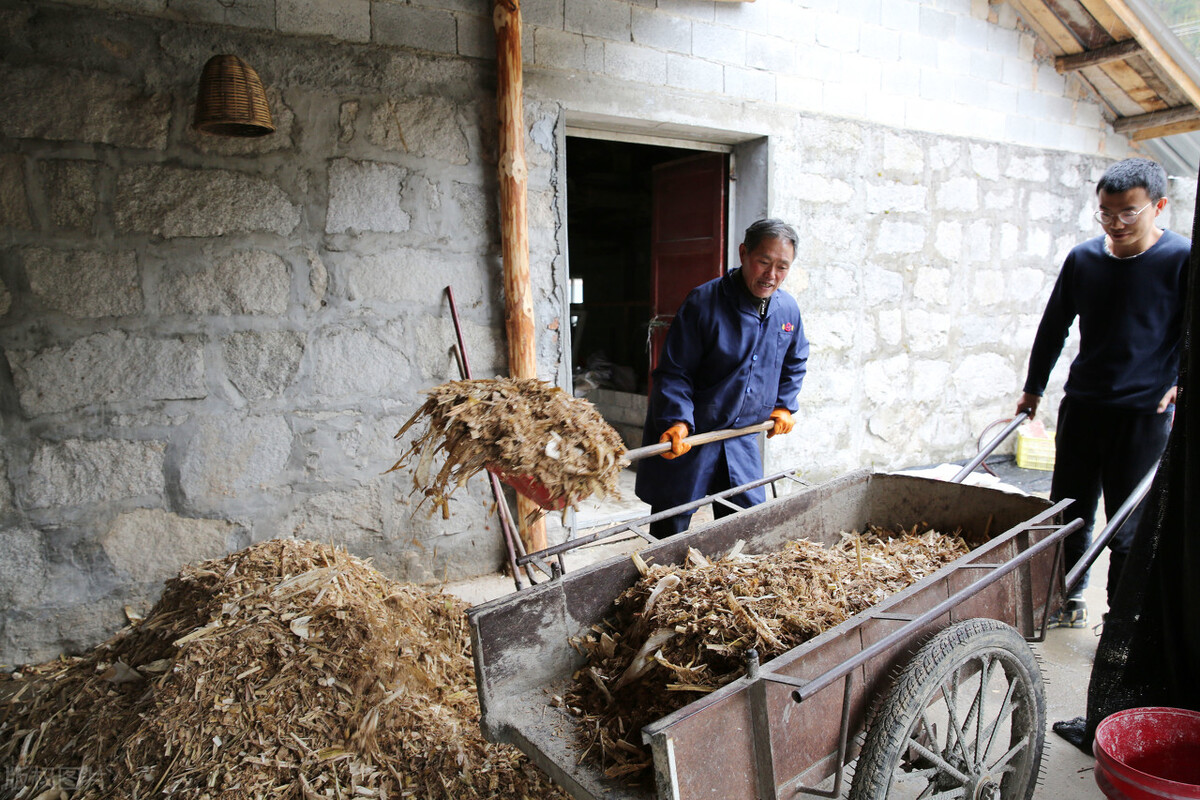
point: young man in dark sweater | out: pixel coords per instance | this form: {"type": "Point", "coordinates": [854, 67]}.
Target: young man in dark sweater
{"type": "Point", "coordinates": [1127, 287]}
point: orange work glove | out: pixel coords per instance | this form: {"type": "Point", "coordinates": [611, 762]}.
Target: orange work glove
{"type": "Point", "coordinates": [783, 422]}
{"type": "Point", "coordinates": [675, 435]}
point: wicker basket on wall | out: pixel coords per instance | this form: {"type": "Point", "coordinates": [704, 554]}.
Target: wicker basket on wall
{"type": "Point", "coordinates": [231, 100]}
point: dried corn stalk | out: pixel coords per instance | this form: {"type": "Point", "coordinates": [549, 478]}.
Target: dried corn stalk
{"type": "Point", "coordinates": [288, 670]}
{"type": "Point", "coordinates": [683, 631]}
{"type": "Point", "coordinates": [523, 427]}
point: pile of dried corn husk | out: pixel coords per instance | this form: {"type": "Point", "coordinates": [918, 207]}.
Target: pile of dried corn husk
{"type": "Point", "coordinates": [524, 427]}
{"type": "Point", "coordinates": [683, 631]}
{"type": "Point", "coordinates": [286, 670]}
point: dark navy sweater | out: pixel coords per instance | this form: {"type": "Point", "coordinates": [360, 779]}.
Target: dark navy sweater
{"type": "Point", "coordinates": [1130, 324]}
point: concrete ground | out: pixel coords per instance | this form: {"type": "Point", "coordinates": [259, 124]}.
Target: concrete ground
{"type": "Point", "coordinates": [1066, 655]}
{"type": "Point", "coordinates": [1066, 658]}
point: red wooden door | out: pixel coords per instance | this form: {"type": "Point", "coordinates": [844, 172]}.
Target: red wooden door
{"type": "Point", "coordinates": [687, 235]}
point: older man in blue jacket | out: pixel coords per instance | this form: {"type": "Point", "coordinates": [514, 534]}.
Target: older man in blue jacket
{"type": "Point", "coordinates": [735, 356]}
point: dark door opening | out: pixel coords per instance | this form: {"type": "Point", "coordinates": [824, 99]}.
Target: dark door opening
{"type": "Point", "coordinates": [636, 249]}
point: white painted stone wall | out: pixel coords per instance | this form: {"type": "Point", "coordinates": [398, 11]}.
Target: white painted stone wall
{"type": "Point", "coordinates": [210, 342]}
{"type": "Point", "coordinates": [922, 280]}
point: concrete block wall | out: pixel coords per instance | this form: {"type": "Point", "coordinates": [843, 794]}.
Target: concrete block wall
{"type": "Point", "coordinates": [208, 342]}
{"type": "Point", "coordinates": [923, 271]}
{"type": "Point", "coordinates": [962, 67]}
{"type": "Point", "coordinates": [624, 411]}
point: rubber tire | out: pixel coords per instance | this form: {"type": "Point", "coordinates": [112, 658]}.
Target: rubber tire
{"type": "Point", "coordinates": [887, 738]}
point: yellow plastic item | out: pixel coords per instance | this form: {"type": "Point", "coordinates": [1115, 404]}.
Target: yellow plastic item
{"type": "Point", "coordinates": [1035, 452]}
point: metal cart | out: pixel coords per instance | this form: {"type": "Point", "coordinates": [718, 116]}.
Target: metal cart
{"type": "Point", "coordinates": [931, 693]}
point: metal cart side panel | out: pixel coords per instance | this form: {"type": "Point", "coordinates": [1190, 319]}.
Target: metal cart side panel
{"type": "Point", "coordinates": [714, 747]}
{"type": "Point", "coordinates": [520, 642]}
{"type": "Point", "coordinates": [803, 736]}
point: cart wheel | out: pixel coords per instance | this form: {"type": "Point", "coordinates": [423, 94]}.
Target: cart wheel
{"type": "Point", "coordinates": [965, 719]}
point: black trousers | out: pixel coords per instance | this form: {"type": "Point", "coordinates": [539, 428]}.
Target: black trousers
{"type": "Point", "coordinates": [1100, 449]}
{"type": "Point", "coordinates": [718, 481]}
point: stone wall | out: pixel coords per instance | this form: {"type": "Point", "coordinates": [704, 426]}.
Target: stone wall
{"type": "Point", "coordinates": [925, 266]}
{"type": "Point", "coordinates": [207, 342]}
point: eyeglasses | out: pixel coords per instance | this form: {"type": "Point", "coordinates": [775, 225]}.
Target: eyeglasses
{"type": "Point", "coordinates": [1126, 217]}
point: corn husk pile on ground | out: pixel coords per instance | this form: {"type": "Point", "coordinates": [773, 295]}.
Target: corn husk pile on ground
{"type": "Point", "coordinates": [684, 630]}
{"type": "Point", "coordinates": [525, 427]}
{"type": "Point", "coordinates": [286, 670]}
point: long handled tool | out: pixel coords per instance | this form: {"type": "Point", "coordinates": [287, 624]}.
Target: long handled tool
{"type": "Point", "coordinates": [970, 466]}
{"type": "Point", "coordinates": [697, 438]}
{"type": "Point", "coordinates": [1100, 541]}
{"type": "Point", "coordinates": [511, 539]}
{"type": "Point", "coordinates": [532, 489]}
{"type": "Point", "coordinates": [713, 436]}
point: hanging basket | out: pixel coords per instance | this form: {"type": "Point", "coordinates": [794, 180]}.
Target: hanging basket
{"type": "Point", "coordinates": [231, 100]}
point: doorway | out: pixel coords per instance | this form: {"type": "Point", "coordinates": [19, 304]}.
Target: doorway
{"type": "Point", "coordinates": [645, 224]}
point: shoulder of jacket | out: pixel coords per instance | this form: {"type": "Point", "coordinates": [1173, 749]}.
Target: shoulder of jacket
{"type": "Point", "coordinates": [1089, 251]}
{"type": "Point", "coordinates": [787, 301]}
{"type": "Point", "coordinates": [701, 297]}
{"type": "Point", "coordinates": [710, 286]}
{"type": "Point", "coordinates": [698, 291]}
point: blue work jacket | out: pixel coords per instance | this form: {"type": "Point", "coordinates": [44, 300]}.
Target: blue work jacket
{"type": "Point", "coordinates": [722, 366]}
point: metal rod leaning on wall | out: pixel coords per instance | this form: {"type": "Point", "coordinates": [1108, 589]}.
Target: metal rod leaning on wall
{"type": "Point", "coordinates": [464, 366]}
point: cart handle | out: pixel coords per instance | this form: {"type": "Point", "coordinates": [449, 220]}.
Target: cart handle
{"type": "Point", "coordinates": [987, 451]}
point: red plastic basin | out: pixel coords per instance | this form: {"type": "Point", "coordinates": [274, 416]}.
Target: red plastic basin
{"type": "Point", "coordinates": [1148, 754]}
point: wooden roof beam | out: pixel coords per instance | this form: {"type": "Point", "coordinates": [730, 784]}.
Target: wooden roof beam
{"type": "Point", "coordinates": [1107, 19]}
{"type": "Point", "coordinates": [1155, 119]}
{"type": "Point", "coordinates": [1101, 55]}
{"type": "Point", "coordinates": [1156, 50]}
{"type": "Point", "coordinates": [1184, 126]}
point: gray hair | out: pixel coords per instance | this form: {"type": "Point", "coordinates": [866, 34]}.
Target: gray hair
{"type": "Point", "coordinates": [770, 229]}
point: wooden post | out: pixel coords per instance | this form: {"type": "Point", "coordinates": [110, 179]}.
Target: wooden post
{"type": "Point", "coordinates": [514, 224]}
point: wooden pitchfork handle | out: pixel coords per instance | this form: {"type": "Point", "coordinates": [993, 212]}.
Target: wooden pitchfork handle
{"type": "Point", "coordinates": [697, 438]}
